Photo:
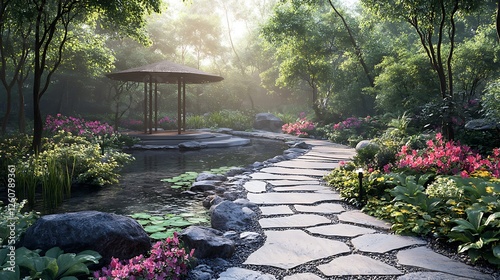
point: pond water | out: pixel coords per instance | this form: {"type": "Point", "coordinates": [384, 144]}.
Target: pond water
{"type": "Point", "coordinates": [140, 188]}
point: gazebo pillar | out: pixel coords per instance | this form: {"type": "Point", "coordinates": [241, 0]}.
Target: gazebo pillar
{"type": "Point", "coordinates": [184, 105]}
{"type": "Point", "coordinates": [179, 105]}
{"type": "Point", "coordinates": [150, 104]}
{"type": "Point", "coordinates": [145, 107]}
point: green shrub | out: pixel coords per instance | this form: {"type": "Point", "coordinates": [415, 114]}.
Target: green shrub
{"type": "Point", "coordinates": [53, 265]}
{"type": "Point", "coordinates": [22, 221]}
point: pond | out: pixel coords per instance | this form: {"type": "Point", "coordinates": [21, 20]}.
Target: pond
{"type": "Point", "coordinates": [140, 188]}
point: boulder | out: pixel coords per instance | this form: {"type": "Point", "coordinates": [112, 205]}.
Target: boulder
{"type": "Point", "coordinates": [364, 144]}
{"type": "Point", "coordinates": [228, 215]}
{"type": "Point", "coordinates": [207, 242]}
{"type": "Point", "coordinates": [202, 186]}
{"type": "Point", "coordinates": [267, 122]}
{"type": "Point", "coordinates": [109, 234]}
{"type": "Point", "coordinates": [211, 200]}
{"type": "Point", "coordinates": [481, 124]}
{"type": "Point", "coordinates": [210, 177]}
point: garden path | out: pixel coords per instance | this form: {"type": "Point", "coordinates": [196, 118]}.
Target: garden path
{"type": "Point", "coordinates": [310, 235]}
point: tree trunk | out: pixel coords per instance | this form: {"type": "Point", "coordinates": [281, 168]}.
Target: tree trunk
{"type": "Point", "coordinates": [22, 118]}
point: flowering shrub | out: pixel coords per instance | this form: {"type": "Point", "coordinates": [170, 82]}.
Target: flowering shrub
{"type": "Point", "coordinates": [132, 124]}
{"type": "Point", "coordinates": [167, 123]}
{"type": "Point", "coordinates": [447, 158]}
{"type": "Point", "coordinates": [352, 130]}
{"type": "Point", "coordinates": [77, 126]}
{"type": "Point", "coordinates": [302, 127]}
{"type": "Point", "coordinates": [168, 260]}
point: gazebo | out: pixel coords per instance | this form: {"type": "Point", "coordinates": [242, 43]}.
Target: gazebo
{"type": "Point", "coordinates": [169, 73]}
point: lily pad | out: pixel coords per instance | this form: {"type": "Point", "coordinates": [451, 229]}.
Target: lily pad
{"type": "Point", "coordinates": [175, 187]}
{"type": "Point", "coordinates": [153, 229]}
{"type": "Point", "coordinates": [156, 218]}
{"type": "Point", "coordinates": [161, 235]}
{"type": "Point", "coordinates": [140, 216]}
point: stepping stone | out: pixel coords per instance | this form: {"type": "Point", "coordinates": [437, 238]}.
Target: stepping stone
{"type": "Point", "coordinates": [299, 220]}
{"type": "Point", "coordinates": [382, 243]}
{"type": "Point", "coordinates": [341, 230]}
{"type": "Point", "coordinates": [275, 210]}
{"type": "Point", "coordinates": [255, 186]}
{"type": "Point", "coordinates": [281, 183]}
{"type": "Point", "coordinates": [307, 164]}
{"type": "Point", "coordinates": [233, 273]}
{"type": "Point", "coordinates": [424, 257]}
{"type": "Point", "coordinates": [307, 157]}
{"type": "Point", "coordinates": [430, 276]}
{"type": "Point", "coordinates": [269, 176]}
{"type": "Point", "coordinates": [290, 248]}
{"type": "Point", "coordinates": [325, 208]}
{"type": "Point", "coordinates": [357, 265]}
{"type": "Point", "coordinates": [303, 276]}
{"type": "Point", "coordinates": [299, 188]}
{"type": "Point", "coordinates": [295, 171]}
{"type": "Point", "coordinates": [290, 198]}
{"type": "Point", "coordinates": [357, 217]}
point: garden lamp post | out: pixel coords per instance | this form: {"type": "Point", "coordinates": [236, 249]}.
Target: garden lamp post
{"type": "Point", "coordinates": [361, 190]}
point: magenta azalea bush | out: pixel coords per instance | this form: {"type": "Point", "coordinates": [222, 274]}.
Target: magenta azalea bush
{"type": "Point", "coordinates": [167, 123]}
{"type": "Point", "coordinates": [132, 124]}
{"type": "Point", "coordinates": [77, 126]}
{"type": "Point", "coordinates": [447, 158]}
{"type": "Point", "coordinates": [167, 260]}
{"type": "Point", "coordinates": [302, 127]}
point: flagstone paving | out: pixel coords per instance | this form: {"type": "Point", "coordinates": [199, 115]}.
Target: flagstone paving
{"type": "Point", "coordinates": [302, 220]}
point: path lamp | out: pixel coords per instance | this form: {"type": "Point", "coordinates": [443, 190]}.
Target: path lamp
{"type": "Point", "coordinates": [361, 190]}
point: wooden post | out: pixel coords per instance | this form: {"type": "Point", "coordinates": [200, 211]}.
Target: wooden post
{"type": "Point", "coordinates": [184, 105]}
{"type": "Point", "coordinates": [156, 106]}
{"type": "Point", "coordinates": [179, 106]}
{"type": "Point", "coordinates": [145, 107]}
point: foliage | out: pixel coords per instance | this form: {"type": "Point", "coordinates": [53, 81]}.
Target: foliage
{"type": "Point", "coordinates": [236, 120]}
{"type": "Point", "coordinates": [161, 227]}
{"type": "Point", "coordinates": [352, 130]}
{"type": "Point", "coordinates": [449, 157]}
{"type": "Point", "coordinates": [53, 265]}
{"type": "Point", "coordinates": [167, 260]}
{"type": "Point", "coordinates": [22, 220]}
{"type": "Point", "coordinates": [491, 101]}
{"type": "Point", "coordinates": [301, 127]}
{"type": "Point", "coordinates": [167, 123]}
{"type": "Point", "coordinates": [65, 160]}
{"type": "Point", "coordinates": [93, 131]}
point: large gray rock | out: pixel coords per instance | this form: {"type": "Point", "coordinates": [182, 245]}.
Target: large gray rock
{"type": "Point", "coordinates": [205, 176]}
{"type": "Point", "coordinates": [228, 215]}
{"type": "Point", "coordinates": [202, 186]}
{"type": "Point", "coordinates": [109, 234]}
{"type": "Point", "coordinates": [207, 242]}
{"type": "Point", "coordinates": [267, 122]}
{"type": "Point", "coordinates": [481, 124]}
{"type": "Point", "coordinates": [365, 144]}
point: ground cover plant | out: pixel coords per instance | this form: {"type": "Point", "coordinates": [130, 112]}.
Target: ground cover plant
{"type": "Point", "coordinates": [443, 189]}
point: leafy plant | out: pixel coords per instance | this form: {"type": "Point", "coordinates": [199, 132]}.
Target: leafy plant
{"type": "Point", "coordinates": [167, 260]}
{"type": "Point", "coordinates": [480, 235]}
{"type": "Point", "coordinates": [301, 127]}
{"type": "Point", "coordinates": [161, 227]}
{"type": "Point", "coordinates": [22, 221]}
{"type": "Point", "coordinates": [53, 265]}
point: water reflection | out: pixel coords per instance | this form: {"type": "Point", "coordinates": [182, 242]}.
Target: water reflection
{"type": "Point", "coordinates": [140, 188]}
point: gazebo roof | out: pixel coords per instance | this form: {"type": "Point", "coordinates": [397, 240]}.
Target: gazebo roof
{"type": "Point", "coordinates": [165, 72]}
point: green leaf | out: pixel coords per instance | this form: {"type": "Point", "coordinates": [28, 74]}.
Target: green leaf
{"type": "Point", "coordinates": [153, 229]}
{"type": "Point", "coordinates": [496, 251]}
{"type": "Point", "coordinates": [156, 218]}
{"type": "Point", "coordinates": [140, 216]}
{"type": "Point", "coordinates": [491, 218]}
{"type": "Point", "coordinates": [54, 252]}
{"type": "Point", "coordinates": [161, 235]}
{"type": "Point", "coordinates": [175, 187]}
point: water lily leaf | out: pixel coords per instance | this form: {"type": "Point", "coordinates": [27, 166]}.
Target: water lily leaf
{"type": "Point", "coordinates": [143, 222]}
{"type": "Point", "coordinates": [197, 220]}
{"type": "Point", "coordinates": [157, 222]}
{"type": "Point", "coordinates": [185, 215]}
{"type": "Point", "coordinates": [161, 235]}
{"type": "Point", "coordinates": [140, 216]}
{"type": "Point", "coordinates": [153, 229]}
{"type": "Point", "coordinates": [156, 218]}
{"type": "Point", "coordinates": [181, 223]}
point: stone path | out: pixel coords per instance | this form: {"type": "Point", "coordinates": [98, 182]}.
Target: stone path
{"type": "Point", "coordinates": [311, 236]}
